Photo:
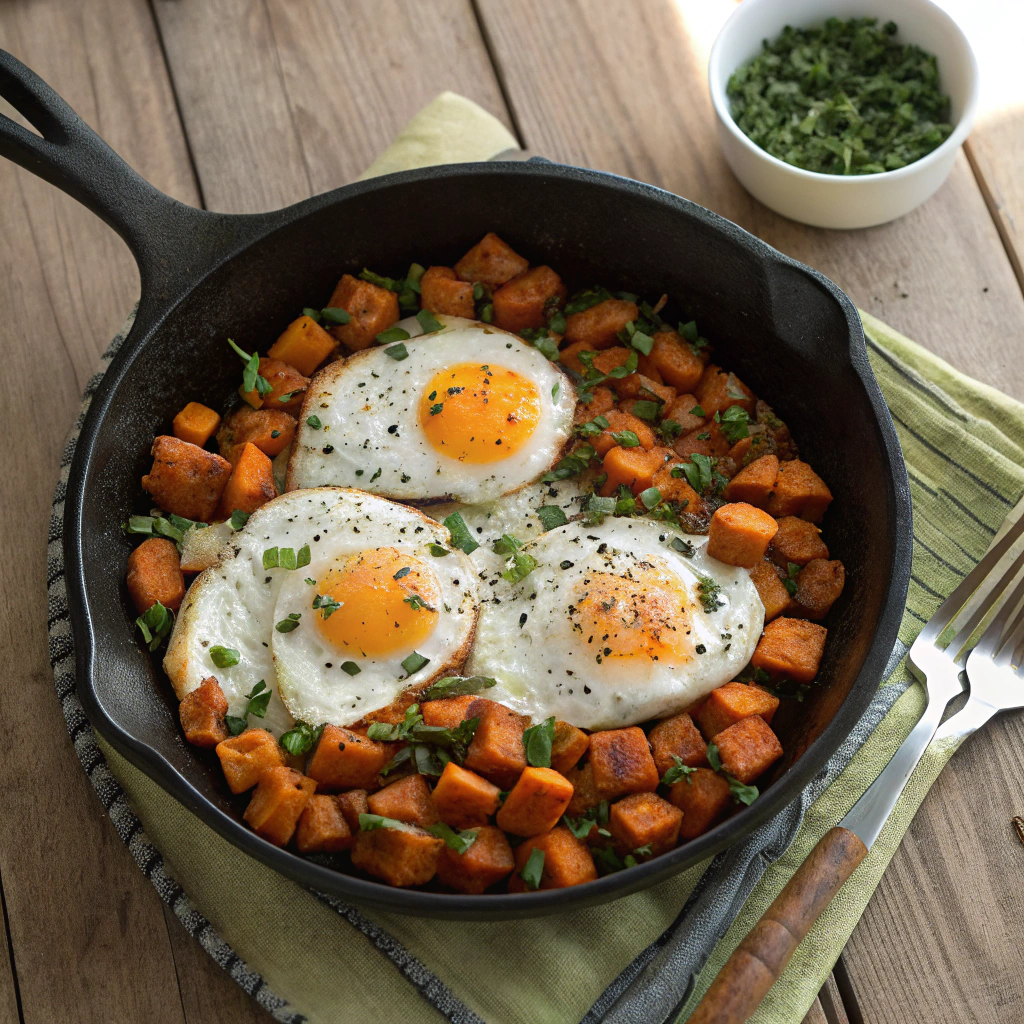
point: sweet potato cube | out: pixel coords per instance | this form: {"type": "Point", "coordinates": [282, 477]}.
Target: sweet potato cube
{"type": "Point", "coordinates": [154, 574]}
{"type": "Point", "coordinates": [676, 362]}
{"type": "Point", "coordinates": [303, 344]}
{"type": "Point", "coordinates": [519, 303]}
{"type": "Point", "coordinates": [757, 444]}
{"type": "Point", "coordinates": [790, 649]}
{"type": "Point", "coordinates": [491, 262]}
{"type": "Point", "coordinates": [618, 422]}
{"type": "Point", "coordinates": [567, 861]}
{"type": "Point", "coordinates": [677, 737]}
{"type": "Point", "coordinates": [753, 484]}
{"type": "Point", "coordinates": [796, 541]}
{"type": "Point", "coordinates": [196, 423]}
{"type": "Point", "coordinates": [633, 468]}
{"type": "Point", "coordinates": [748, 748]}
{"type": "Point", "coordinates": [535, 804]}
{"type": "Point", "coordinates": [322, 827]}
{"type": "Point", "coordinates": [719, 390]}
{"type": "Point", "coordinates": [487, 861]}
{"type": "Point", "coordinates": [799, 491]}
{"type": "Point", "coordinates": [464, 799]}
{"type": "Point", "coordinates": [598, 327]}
{"type": "Point", "coordinates": [288, 387]}
{"type": "Point", "coordinates": [443, 292]}
{"type": "Point", "coordinates": [447, 712]}
{"type": "Point", "coordinates": [702, 796]}
{"type": "Point", "coordinates": [269, 429]}
{"type": "Point", "coordinates": [244, 758]}
{"type": "Point", "coordinates": [280, 798]}
{"type": "Point", "coordinates": [622, 762]}
{"type": "Point", "coordinates": [372, 309]}
{"type": "Point", "coordinates": [707, 439]}
{"type": "Point", "coordinates": [251, 484]}
{"type": "Point", "coordinates": [601, 403]}
{"type": "Point", "coordinates": [497, 751]}
{"type": "Point", "coordinates": [569, 357]}
{"type": "Point", "coordinates": [682, 411]}
{"type": "Point", "coordinates": [732, 703]}
{"type": "Point", "coordinates": [568, 746]}
{"type": "Point", "coordinates": [740, 534]}
{"type": "Point", "coordinates": [345, 760]}
{"type": "Point", "coordinates": [202, 712]}
{"type": "Point", "coordinates": [770, 588]}
{"type": "Point", "coordinates": [408, 800]}
{"type": "Point", "coordinates": [677, 489]}
{"type": "Point", "coordinates": [818, 586]}
{"type": "Point", "coordinates": [641, 385]}
{"type": "Point", "coordinates": [584, 792]}
{"type": "Point", "coordinates": [644, 819]}
{"type": "Point", "coordinates": [186, 479]}
{"type": "Point", "coordinates": [400, 857]}
{"type": "Point", "coordinates": [352, 803]}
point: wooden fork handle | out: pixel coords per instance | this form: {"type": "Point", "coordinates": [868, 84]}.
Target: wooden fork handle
{"type": "Point", "coordinates": [759, 960]}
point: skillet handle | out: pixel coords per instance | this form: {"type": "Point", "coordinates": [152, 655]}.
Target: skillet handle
{"type": "Point", "coordinates": [172, 243]}
{"type": "Point", "coordinates": [759, 960]}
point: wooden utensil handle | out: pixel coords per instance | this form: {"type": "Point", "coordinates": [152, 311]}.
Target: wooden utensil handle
{"type": "Point", "coordinates": [759, 960]}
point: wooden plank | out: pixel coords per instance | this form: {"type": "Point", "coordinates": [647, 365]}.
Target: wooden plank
{"type": "Point", "coordinates": [832, 1002]}
{"type": "Point", "coordinates": [9, 1012]}
{"type": "Point", "coordinates": [996, 145]}
{"type": "Point", "coordinates": [815, 1015]}
{"type": "Point", "coordinates": [89, 939]}
{"type": "Point", "coordinates": [288, 98]}
{"type": "Point", "coordinates": [941, 939]}
{"type": "Point", "coordinates": [208, 993]}
{"type": "Point", "coordinates": [643, 110]}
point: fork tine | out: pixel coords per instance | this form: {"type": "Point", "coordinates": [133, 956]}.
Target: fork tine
{"type": "Point", "coordinates": [996, 635]}
{"type": "Point", "coordinates": [1014, 634]}
{"type": "Point", "coordinates": [992, 592]}
{"type": "Point", "coordinates": [974, 581]}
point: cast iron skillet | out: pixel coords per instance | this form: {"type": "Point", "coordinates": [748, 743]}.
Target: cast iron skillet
{"type": "Point", "coordinates": [786, 330]}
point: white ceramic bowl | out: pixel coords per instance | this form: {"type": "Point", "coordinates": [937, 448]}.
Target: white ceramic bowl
{"type": "Point", "coordinates": [833, 200]}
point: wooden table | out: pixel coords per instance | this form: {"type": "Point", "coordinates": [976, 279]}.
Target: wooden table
{"type": "Point", "coordinates": [247, 105]}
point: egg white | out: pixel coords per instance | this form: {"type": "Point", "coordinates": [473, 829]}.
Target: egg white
{"type": "Point", "coordinates": [526, 641]}
{"type": "Point", "coordinates": [232, 604]}
{"type": "Point", "coordinates": [371, 436]}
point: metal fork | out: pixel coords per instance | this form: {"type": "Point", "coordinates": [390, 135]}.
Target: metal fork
{"type": "Point", "coordinates": [938, 665]}
{"type": "Point", "coordinates": [995, 669]}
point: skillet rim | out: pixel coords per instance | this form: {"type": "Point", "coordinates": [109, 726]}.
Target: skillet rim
{"type": "Point", "coordinates": [250, 230]}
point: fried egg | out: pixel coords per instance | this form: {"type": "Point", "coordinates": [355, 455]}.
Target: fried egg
{"type": "Point", "coordinates": [383, 604]}
{"type": "Point", "coordinates": [618, 623]}
{"type": "Point", "coordinates": [468, 413]}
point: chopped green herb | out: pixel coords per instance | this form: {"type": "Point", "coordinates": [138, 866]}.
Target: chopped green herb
{"type": "Point", "coordinates": [155, 624]}
{"type": "Point", "coordinates": [397, 352]}
{"type": "Point", "coordinates": [257, 700]}
{"type": "Point", "coordinates": [557, 323]}
{"type": "Point", "coordinates": [300, 738]}
{"type": "Point", "coordinates": [641, 342]}
{"type": "Point", "coordinates": [435, 409]}
{"type": "Point", "coordinates": [403, 572]}
{"type": "Point", "coordinates": [487, 313]}
{"type": "Point", "coordinates": [414, 663]}
{"type": "Point", "coordinates": [670, 430]}
{"type": "Point", "coordinates": [708, 591]}
{"type": "Point", "coordinates": [585, 299]}
{"type": "Point", "coordinates": [644, 409]}
{"type": "Point", "coordinates": [461, 537]}
{"type": "Point", "coordinates": [677, 772]}
{"type": "Point", "coordinates": [842, 98]}
{"type": "Point", "coordinates": [542, 341]}
{"type": "Point", "coordinates": [597, 508]}
{"type": "Point", "coordinates": [251, 379]}
{"type": "Point", "coordinates": [593, 427]}
{"type": "Point", "coordinates": [326, 604]}
{"type": "Point", "coordinates": [394, 334]}
{"type": "Point", "coordinates": [428, 321]}
{"type": "Point", "coordinates": [625, 438]}
{"type": "Point", "coordinates": [438, 551]}
{"type": "Point", "coordinates": [335, 315]}
{"type": "Point", "coordinates": [689, 333]}
{"type": "Point", "coordinates": [506, 544]}
{"type": "Point", "coordinates": [551, 516]}
{"type": "Point", "coordinates": [376, 476]}
{"type": "Point", "coordinates": [533, 870]}
{"type": "Point", "coordinates": [351, 668]}
{"type": "Point", "coordinates": [537, 742]}
{"type": "Point", "coordinates": [518, 567]}
{"type": "Point", "coordinates": [735, 423]}
{"type": "Point", "coordinates": [313, 422]}
{"type": "Point", "coordinates": [684, 547]}
{"type": "Point", "coordinates": [460, 842]}
{"type": "Point", "coordinates": [458, 686]}
{"type": "Point", "coordinates": [415, 602]}
{"type": "Point", "coordinates": [742, 794]}
{"type": "Point", "coordinates": [789, 580]}
{"type": "Point", "coordinates": [224, 657]}
{"type": "Point", "coordinates": [555, 388]}
{"type": "Point", "coordinates": [698, 472]}
{"type": "Point", "coordinates": [713, 757]}
{"type": "Point", "coordinates": [650, 497]}
{"type": "Point", "coordinates": [290, 623]}
{"type": "Point", "coordinates": [368, 822]}
{"type": "Point", "coordinates": [239, 519]}
{"type": "Point", "coordinates": [572, 465]}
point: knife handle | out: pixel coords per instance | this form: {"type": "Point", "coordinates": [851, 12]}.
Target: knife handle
{"type": "Point", "coordinates": [759, 960]}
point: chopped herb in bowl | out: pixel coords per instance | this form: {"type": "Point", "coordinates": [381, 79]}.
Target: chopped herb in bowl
{"type": "Point", "coordinates": [844, 98]}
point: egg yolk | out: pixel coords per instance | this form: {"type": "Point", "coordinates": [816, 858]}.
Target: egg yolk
{"type": "Point", "coordinates": [478, 412]}
{"type": "Point", "coordinates": [642, 615]}
{"type": "Point", "coordinates": [387, 603]}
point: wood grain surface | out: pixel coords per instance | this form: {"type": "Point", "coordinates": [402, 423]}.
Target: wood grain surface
{"type": "Point", "coordinates": [246, 105]}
